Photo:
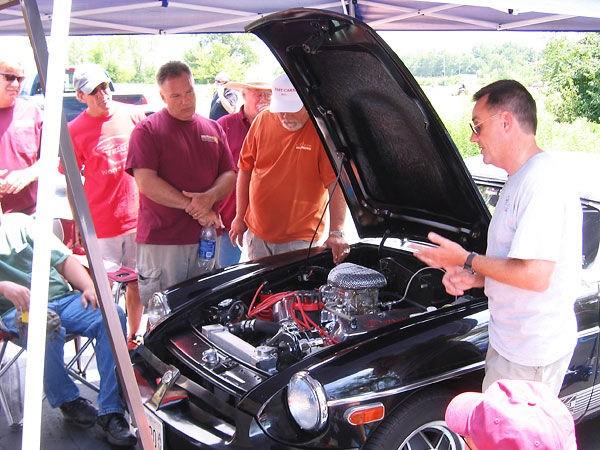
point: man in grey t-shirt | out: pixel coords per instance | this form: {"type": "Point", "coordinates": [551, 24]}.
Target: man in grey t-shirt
{"type": "Point", "coordinates": [531, 269]}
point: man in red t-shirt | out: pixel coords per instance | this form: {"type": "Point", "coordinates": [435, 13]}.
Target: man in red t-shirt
{"type": "Point", "coordinates": [100, 136]}
{"type": "Point", "coordinates": [257, 97]}
{"type": "Point", "coordinates": [20, 135]}
{"type": "Point", "coordinates": [284, 180]}
{"type": "Point", "coordinates": [182, 165]}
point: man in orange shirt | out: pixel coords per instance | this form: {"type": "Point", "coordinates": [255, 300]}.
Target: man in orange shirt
{"type": "Point", "coordinates": [284, 181]}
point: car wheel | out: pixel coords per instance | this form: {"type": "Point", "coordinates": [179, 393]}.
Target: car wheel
{"type": "Point", "coordinates": [417, 424]}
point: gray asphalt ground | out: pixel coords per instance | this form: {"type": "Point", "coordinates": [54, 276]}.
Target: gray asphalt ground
{"type": "Point", "coordinates": [55, 434]}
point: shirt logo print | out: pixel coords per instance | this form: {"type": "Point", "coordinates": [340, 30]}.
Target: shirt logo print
{"type": "Point", "coordinates": [207, 138]}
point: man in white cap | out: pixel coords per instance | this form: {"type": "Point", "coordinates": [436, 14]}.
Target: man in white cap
{"type": "Point", "coordinates": [257, 97]}
{"type": "Point", "coordinates": [100, 137]}
{"type": "Point", "coordinates": [283, 182]}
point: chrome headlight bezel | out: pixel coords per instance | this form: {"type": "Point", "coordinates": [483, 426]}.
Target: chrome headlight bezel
{"type": "Point", "coordinates": [158, 308]}
{"type": "Point", "coordinates": [307, 402]}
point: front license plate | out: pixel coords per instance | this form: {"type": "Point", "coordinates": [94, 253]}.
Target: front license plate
{"type": "Point", "coordinates": [156, 429]}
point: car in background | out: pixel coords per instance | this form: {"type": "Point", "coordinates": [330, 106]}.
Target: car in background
{"type": "Point", "coordinates": [32, 90]}
{"type": "Point", "coordinates": [293, 352]}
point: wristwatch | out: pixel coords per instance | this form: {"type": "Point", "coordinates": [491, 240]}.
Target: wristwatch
{"type": "Point", "coordinates": [468, 263]}
{"type": "Point", "coordinates": [337, 232]}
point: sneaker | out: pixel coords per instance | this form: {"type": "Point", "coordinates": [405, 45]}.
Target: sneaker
{"type": "Point", "coordinates": [117, 430]}
{"type": "Point", "coordinates": [80, 412]}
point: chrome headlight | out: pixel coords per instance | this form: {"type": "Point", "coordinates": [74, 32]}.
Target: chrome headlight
{"type": "Point", "coordinates": [307, 402]}
{"type": "Point", "coordinates": [158, 307]}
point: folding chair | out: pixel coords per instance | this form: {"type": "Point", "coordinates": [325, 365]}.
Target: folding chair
{"type": "Point", "coordinates": [7, 338]}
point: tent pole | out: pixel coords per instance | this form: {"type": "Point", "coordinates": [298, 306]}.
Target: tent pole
{"type": "Point", "coordinates": [36, 334]}
{"type": "Point", "coordinates": [84, 221]}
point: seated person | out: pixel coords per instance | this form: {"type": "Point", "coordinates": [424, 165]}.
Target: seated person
{"type": "Point", "coordinates": [512, 415]}
{"type": "Point", "coordinates": [79, 314]}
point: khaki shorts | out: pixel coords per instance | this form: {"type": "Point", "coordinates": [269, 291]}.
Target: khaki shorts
{"type": "Point", "coordinates": [119, 250]}
{"type": "Point", "coordinates": [257, 248]}
{"type": "Point", "coordinates": [498, 368]}
{"type": "Point", "coordinates": [162, 266]}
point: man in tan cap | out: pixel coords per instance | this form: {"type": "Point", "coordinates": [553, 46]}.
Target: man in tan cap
{"type": "Point", "coordinates": [257, 97]}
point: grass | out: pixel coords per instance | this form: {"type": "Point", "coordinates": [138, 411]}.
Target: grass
{"type": "Point", "coordinates": [455, 112]}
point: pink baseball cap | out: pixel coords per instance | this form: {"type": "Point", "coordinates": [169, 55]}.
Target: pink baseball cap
{"type": "Point", "coordinates": [513, 415]}
{"type": "Point", "coordinates": [284, 99]}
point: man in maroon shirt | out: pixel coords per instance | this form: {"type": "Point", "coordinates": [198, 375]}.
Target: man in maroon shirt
{"type": "Point", "coordinates": [183, 166]}
{"type": "Point", "coordinates": [257, 97]}
{"type": "Point", "coordinates": [20, 135]}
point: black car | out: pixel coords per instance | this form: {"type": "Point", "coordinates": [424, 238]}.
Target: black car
{"type": "Point", "coordinates": [292, 352]}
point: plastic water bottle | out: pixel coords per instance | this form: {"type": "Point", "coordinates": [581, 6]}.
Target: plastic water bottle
{"type": "Point", "coordinates": [206, 249]}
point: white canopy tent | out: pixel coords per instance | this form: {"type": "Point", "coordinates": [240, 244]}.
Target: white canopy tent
{"type": "Point", "coordinates": [93, 17]}
{"type": "Point", "coordinates": [207, 16]}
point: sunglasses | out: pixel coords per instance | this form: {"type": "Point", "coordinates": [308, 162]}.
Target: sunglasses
{"type": "Point", "coordinates": [100, 87]}
{"type": "Point", "coordinates": [12, 77]}
{"type": "Point", "coordinates": [477, 128]}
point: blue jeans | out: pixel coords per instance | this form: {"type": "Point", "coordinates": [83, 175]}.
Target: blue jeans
{"type": "Point", "coordinates": [76, 319]}
{"type": "Point", "coordinates": [229, 254]}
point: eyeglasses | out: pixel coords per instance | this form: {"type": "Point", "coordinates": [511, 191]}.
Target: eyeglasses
{"type": "Point", "coordinates": [10, 77]}
{"type": "Point", "coordinates": [220, 81]}
{"type": "Point", "coordinates": [477, 128]}
{"type": "Point", "coordinates": [258, 94]}
{"type": "Point", "coordinates": [100, 87]}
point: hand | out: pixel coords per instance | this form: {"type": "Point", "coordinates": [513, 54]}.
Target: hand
{"type": "Point", "coordinates": [88, 297]}
{"type": "Point", "coordinates": [200, 206]}
{"type": "Point", "coordinates": [238, 228]}
{"type": "Point", "coordinates": [447, 255]}
{"type": "Point", "coordinates": [457, 280]}
{"type": "Point", "coordinates": [17, 294]}
{"type": "Point", "coordinates": [212, 219]}
{"type": "Point", "coordinates": [16, 180]}
{"type": "Point", "coordinates": [339, 247]}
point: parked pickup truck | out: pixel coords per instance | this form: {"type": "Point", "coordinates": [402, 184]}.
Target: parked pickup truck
{"type": "Point", "coordinates": [72, 107]}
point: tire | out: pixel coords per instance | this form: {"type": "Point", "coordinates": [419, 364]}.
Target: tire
{"type": "Point", "coordinates": [417, 424]}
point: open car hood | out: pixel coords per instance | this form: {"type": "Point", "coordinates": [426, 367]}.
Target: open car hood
{"type": "Point", "coordinates": [401, 173]}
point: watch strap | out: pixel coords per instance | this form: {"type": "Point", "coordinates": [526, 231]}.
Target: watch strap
{"type": "Point", "coordinates": [469, 262]}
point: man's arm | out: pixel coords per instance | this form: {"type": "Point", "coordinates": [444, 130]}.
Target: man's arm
{"type": "Point", "coordinates": [158, 190]}
{"type": "Point", "coordinates": [80, 279]}
{"type": "Point", "coordinates": [225, 103]}
{"type": "Point", "coordinates": [531, 274]}
{"type": "Point", "coordinates": [17, 294]}
{"type": "Point", "coordinates": [242, 199]}
{"type": "Point", "coordinates": [337, 216]}
{"type": "Point", "coordinates": [16, 180]}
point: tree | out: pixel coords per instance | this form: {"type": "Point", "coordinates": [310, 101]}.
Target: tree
{"type": "Point", "coordinates": [123, 57]}
{"type": "Point", "coordinates": [571, 71]}
{"type": "Point", "coordinates": [214, 53]}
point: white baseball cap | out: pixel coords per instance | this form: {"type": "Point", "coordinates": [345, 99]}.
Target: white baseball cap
{"type": "Point", "coordinates": [285, 98]}
{"type": "Point", "coordinates": [88, 76]}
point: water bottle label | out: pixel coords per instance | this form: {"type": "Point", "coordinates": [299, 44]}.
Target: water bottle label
{"type": "Point", "coordinates": [207, 249]}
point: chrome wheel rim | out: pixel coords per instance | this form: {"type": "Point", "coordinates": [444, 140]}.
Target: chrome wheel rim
{"type": "Point", "coordinates": [432, 436]}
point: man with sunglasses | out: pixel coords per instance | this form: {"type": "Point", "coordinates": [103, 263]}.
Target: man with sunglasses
{"type": "Point", "coordinates": [100, 137]}
{"type": "Point", "coordinates": [224, 99]}
{"type": "Point", "coordinates": [531, 269]}
{"type": "Point", "coordinates": [20, 136]}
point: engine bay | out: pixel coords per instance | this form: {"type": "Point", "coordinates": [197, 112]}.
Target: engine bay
{"type": "Point", "coordinates": [276, 328]}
